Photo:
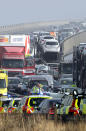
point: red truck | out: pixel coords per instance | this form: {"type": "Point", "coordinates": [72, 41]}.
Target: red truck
{"type": "Point", "coordinates": [14, 55]}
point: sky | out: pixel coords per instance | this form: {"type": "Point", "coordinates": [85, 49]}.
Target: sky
{"type": "Point", "coordinates": [27, 11]}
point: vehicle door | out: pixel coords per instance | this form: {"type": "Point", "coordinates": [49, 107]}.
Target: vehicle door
{"type": "Point", "coordinates": [44, 107]}
{"type": "Point", "coordinates": [83, 106]}
{"type": "Point", "coordinates": [64, 108]}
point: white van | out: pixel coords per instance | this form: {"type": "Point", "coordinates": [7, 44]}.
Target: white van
{"type": "Point", "coordinates": [43, 79]}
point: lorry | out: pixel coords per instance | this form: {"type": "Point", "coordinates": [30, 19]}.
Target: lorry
{"type": "Point", "coordinates": [15, 56]}
{"type": "Point", "coordinates": [79, 65]}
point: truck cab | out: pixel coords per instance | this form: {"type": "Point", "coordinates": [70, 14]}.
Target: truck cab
{"type": "Point", "coordinates": [13, 55]}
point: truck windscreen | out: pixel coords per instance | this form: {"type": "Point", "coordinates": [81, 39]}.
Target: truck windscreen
{"type": "Point", "coordinates": [29, 63]}
{"type": "Point", "coordinates": [13, 63]}
{"type": "Point", "coordinates": [67, 68]}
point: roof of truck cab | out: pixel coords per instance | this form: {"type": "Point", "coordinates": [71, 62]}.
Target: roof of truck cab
{"type": "Point", "coordinates": [39, 96]}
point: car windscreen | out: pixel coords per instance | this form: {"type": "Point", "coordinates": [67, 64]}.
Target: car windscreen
{"type": "Point", "coordinates": [45, 88]}
{"type": "Point", "coordinates": [48, 37]}
{"type": "Point", "coordinates": [29, 63]}
{"type": "Point", "coordinates": [69, 90]}
{"type": "Point", "coordinates": [44, 33]}
{"type": "Point", "coordinates": [43, 103]}
{"type": "Point", "coordinates": [51, 43]}
{"type": "Point", "coordinates": [53, 102]}
{"type": "Point", "coordinates": [35, 102]}
{"type": "Point", "coordinates": [5, 103]}
{"type": "Point", "coordinates": [13, 63]}
{"type": "Point", "coordinates": [22, 101]}
{"type": "Point", "coordinates": [42, 68]}
{"type": "Point", "coordinates": [66, 82]}
{"type": "Point", "coordinates": [33, 82]}
{"type": "Point", "coordinates": [16, 103]}
{"type": "Point", "coordinates": [66, 68]}
{"type": "Point", "coordinates": [13, 81]}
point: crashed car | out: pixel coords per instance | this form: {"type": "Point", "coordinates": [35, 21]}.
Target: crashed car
{"type": "Point", "coordinates": [13, 105]}
{"type": "Point", "coordinates": [47, 107]}
{"type": "Point", "coordinates": [4, 104]}
{"type": "Point", "coordinates": [72, 107]}
{"type": "Point", "coordinates": [13, 83]}
{"type": "Point", "coordinates": [33, 102]}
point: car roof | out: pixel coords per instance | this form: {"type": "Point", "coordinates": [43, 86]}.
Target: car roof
{"type": "Point", "coordinates": [38, 96]}
{"type": "Point", "coordinates": [47, 36]}
{"type": "Point", "coordinates": [17, 98]}
{"type": "Point", "coordinates": [13, 78]}
{"type": "Point", "coordinates": [51, 40]}
{"type": "Point", "coordinates": [68, 87]}
{"type": "Point", "coordinates": [56, 99]}
{"type": "Point", "coordinates": [34, 77]}
{"type": "Point", "coordinates": [5, 99]}
{"type": "Point", "coordinates": [66, 78]}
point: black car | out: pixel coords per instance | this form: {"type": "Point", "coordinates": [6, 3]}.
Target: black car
{"type": "Point", "coordinates": [13, 83]}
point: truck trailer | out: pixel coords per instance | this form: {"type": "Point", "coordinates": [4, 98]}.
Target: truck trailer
{"type": "Point", "coordinates": [79, 65]}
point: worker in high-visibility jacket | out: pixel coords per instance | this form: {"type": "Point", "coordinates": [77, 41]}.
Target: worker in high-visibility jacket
{"type": "Point", "coordinates": [74, 108]}
{"type": "Point", "coordinates": [37, 88]}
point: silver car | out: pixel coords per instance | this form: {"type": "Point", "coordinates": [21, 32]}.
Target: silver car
{"type": "Point", "coordinates": [51, 46]}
